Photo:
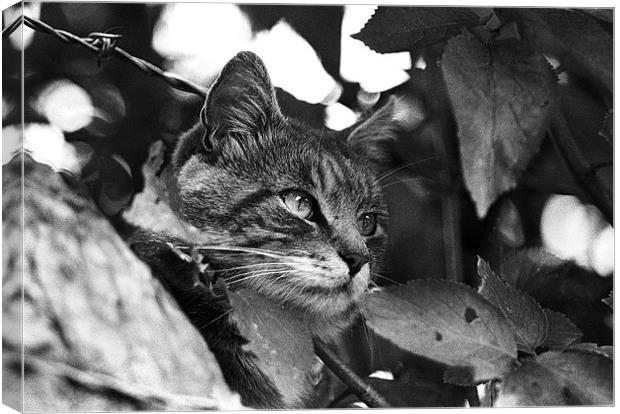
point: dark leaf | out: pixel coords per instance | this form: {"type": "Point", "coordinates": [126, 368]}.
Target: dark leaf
{"type": "Point", "coordinates": [562, 332]}
{"type": "Point", "coordinates": [584, 38]}
{"type": "Point", "coordinates": [530, 268]}
{"type": "Point", "coordinates": [563, 287]}
{"type": "Point", "coordinates": [109, 181]}
{"type": "Point", "coordinates": [446, 322]}
{"type": "Point", "coordinates": [604, 15]}
{"type": "Point", "coordinates": [518, 307]}
{"type": "Point", "coordinates": [501, 96]}
{"type": "Point", "coordinates": [588, 376]}
{"type": "Point", "coordinates": [396, 29]}
{"type": "Point", "coordinates": [560, 378]}
{"type": "Point", "coordinates": [509, 225]}
{"type": "Point", "coordinates": [548, 173]}
{"type": "Point", "coordinates": [530, 385]}
{"type": "Point", "coordinates": [279, 338]}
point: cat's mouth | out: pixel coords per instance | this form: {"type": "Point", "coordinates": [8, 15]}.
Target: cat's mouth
{"type": "Point", "coordinates": [325, 289]}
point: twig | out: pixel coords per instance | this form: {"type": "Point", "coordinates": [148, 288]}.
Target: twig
{"type": "Point", "coordinates": [445, 148]}
{"type": "Point", "coordinates": [584, 172]}
{"type": "Point", "coordinates": [365, 392]}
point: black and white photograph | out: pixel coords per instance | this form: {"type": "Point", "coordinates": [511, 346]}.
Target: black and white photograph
{"type": "Point", "coordinates": [280, 206]}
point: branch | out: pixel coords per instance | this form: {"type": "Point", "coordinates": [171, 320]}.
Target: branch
{"type": "Point", "coordinates": [446, 149]}
{"type": "Point", "coordinates": [365, 392]}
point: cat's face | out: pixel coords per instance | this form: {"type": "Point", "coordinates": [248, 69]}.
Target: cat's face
{"type": "Point", "coordinates": [301, 209]}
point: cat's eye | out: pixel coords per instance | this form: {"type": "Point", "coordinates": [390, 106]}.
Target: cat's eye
{"type": "Point", "coordinates": [300, 203]}
{"type": "Point", "coordinates": [367, 224]}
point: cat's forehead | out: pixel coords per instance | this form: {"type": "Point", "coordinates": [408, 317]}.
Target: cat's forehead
{"type": "Point", "coordinates": [324, 161]}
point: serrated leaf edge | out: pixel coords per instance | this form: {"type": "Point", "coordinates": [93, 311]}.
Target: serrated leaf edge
{"type": "Point", "coordinates": [557, 348]}
{"type": "Point", "coordinates": [509, 286]}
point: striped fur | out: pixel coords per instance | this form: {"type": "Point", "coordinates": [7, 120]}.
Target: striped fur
{"type": "Point", "coordinates": [232, 169]}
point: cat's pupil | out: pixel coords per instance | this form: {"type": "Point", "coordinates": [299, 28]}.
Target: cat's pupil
{"type": "Point", "coordinates": [367, 224]}
{"type": "Point", "coordinates": [299, 203]}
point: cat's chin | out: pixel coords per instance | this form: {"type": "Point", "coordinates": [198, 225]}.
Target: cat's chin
{"type": "Point", "coordinates": [339, 299]}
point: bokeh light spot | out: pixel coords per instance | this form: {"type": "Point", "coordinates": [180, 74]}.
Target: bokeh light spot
{"type": "Point", "coordinates": [65, 105]}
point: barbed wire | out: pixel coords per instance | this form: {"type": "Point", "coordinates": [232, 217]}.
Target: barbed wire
{"type": "Point", "coordinates": [104, 45]}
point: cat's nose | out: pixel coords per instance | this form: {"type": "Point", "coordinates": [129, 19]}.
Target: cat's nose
{"type": "Point", "coordinates": [355, 262]}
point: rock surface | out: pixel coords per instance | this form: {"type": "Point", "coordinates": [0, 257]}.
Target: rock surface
{"type": "Point", "coordinates": [99, 332]}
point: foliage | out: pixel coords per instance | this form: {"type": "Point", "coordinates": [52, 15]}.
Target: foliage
{"type": "Point", "coordinates": [515, 105]}
{"type": "Point", "coordinates": [506, 99]}
{"type": "Point", "coordinates": [477, 336]}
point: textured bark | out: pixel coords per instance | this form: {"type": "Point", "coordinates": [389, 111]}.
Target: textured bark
{"type": "Point", "coordinates": [99, 332]}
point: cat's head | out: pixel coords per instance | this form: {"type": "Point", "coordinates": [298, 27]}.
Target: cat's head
{"type": "Point", "coordinates": [301, 208]}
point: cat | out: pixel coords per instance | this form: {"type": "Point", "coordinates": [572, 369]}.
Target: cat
{"type": "Point", "coordinates": [297, 213]}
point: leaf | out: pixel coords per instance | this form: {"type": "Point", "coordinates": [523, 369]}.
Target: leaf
{"type": "Point", "coordinates": [587, 376]}
{"type": "Point", "coordinates": [156, 207]}
{"type": "Point", "coordinates": [518, 307]}
{"type": "Point", "coordinates": [561, 331]}
{"type": "Point", "coordinates": [560, 378]}
{"type": "Point", "coordinates": [589, 347]}
{"type": "Point", "coordinates": [396, 29]}
{"type": "Point", "coordinates": [604, 15]}
{"type": "Point", "coordinates": [548, 173]}
{"type": "Point", "coordinates": [584, 38]}
{"type": "Point", "coordinates": [501, 96]}
{"type": "Point", "coordinates": [529, 268]}
{"type": "Point", "coordinates": [509, 225]}
{"type": "Point", "coordinates": [564, 287]}
{"type": "Point", "coordinates": [281, 340]}
{"type": "Point", "coordinates": [446, 322]}
{"type": "Point", "coordinates": [110, 182]}
{"type": "Point", "coordinates": [530, 385]}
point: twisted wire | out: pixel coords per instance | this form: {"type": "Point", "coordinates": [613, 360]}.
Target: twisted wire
{"type": "Point", "coordinates": [104, 45]}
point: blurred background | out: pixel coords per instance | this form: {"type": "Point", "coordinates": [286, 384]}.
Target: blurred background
{"type": "Point", "coordinates": [96, 119]}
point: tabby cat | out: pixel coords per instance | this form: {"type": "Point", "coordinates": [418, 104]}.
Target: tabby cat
{"type": "Point", "coordinates": [298, 215]}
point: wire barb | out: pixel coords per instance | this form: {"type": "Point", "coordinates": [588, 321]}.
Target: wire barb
{"type": "Point", "coordinates": [104, 45]}
{"type": "Point", "coordinates": [106, 42]}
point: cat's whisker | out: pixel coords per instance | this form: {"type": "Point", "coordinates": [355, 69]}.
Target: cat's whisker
{"type": "Point", "coordinates": [400, 181]}
{"type": "Point", "coordinates": [250, 250]}
{"type": "Point", "coordinates": [283, 267]}
{"type": "Point", "coordinates": [251, 266]}
{"type": "Point", "coordinates": [281, 273]}
{"type": "Point", "coordinates": [380, 276]}
{"type": "Point", "coordinates": [215, 319]}
{"type": "Point", "coordinates": [402, 167]}
{"type": "Point", "coordinates": [255, 275]}
{"type": "Point", "coordinates": [247, 275]}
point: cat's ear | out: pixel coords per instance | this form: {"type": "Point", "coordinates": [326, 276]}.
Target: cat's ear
{"type": "Point", "coordinates": [374, 136]}
{"type": "Point", "coordinates": [241, 103]}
